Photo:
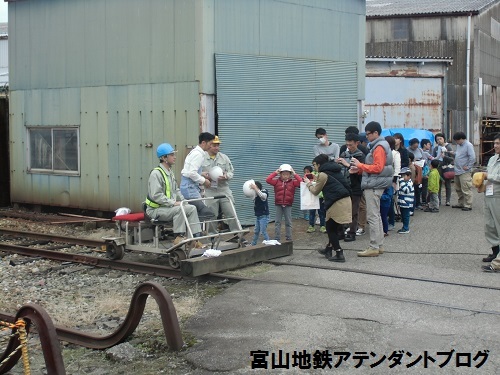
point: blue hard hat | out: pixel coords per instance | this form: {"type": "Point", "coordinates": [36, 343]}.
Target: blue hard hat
{"type": "Point", "coordinates": [164, 149]}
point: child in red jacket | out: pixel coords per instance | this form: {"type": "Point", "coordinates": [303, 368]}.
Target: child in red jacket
{"type": "Point", "coordinates": [284, 180]}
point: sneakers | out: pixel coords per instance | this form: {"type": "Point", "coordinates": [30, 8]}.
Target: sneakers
{"type": "Point", "coordinates": [411, 213]}
{"type": "Point", "coordinates": [306, 217]}
{"type": "Point", "coordinates": [380, 250]}
{"type": "Point", "coordinates": [322, 229]}
{"type": "Point", "coordinates": [311, 229]}
{"type": "Point", "coordinates": [370, 252]}
{"type": "Point", "coordinates": [390, 227]}
{"type": "Point", "coordinates": [403, 231]}
{"type": "Point", "coordinates": [447, 203]}
{"type": "Point", "coordinates": [489, 269]}
{"type": "Point", "coordinates": [317, 222]}
{"type": "Point", "coordinates": [360, 232]}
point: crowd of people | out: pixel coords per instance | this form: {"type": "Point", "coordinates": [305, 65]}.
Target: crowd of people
{"type": "Point", "coordinates": [371, 179]}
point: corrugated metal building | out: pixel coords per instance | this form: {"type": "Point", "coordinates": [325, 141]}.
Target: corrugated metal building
{"type": "Point", "coordinates": [442, 30]}
{"type": "Point", "coordinates": [97, 85]}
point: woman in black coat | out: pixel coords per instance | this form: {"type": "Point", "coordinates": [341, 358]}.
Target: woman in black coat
{"type": "Point", "coordinates": [337, 198]}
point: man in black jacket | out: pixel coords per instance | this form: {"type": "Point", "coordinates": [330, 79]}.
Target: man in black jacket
{"type": "Point", "coordinates": [344, 160]}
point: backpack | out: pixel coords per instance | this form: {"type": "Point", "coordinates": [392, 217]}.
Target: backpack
{"type": "Point", "coordinates": [426, 170]}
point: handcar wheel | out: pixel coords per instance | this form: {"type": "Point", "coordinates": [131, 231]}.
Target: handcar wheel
{"type": "Point", "coordinates": [114, 251]}
{"type": "Point", "coordinates": [175, 257]}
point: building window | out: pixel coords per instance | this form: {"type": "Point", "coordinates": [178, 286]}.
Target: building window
{"type": "Point", "coordinates": [493, 100]}
{"type": "Point", "coordinates": [401, 29]}
{"type": "Point", "coordinates": [54, 150]}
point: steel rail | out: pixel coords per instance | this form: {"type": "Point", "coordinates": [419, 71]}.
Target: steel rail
{"type": "Point", "coordinates": [368, 294]}
{"type": "Point", "coordinates": [48, 338]}
{"type": "Point", "coordinates": [121, 265]}
{"type": "Point", "coordinates": [50, 334]}
{"type": "Point", "coordinates": [374, 273]}
{"type": "Point", "coordinates": [54, 238]}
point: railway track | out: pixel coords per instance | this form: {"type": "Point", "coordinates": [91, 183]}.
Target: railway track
{"type": "Point", "coordinates": [54, 253]}
{"type": "Point", "coordinates": [164, 271]}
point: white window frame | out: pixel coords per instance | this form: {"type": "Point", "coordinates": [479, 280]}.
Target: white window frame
{"type": "Point", "coordinates": [32, 168]}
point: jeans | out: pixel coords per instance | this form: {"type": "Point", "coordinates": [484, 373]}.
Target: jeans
{"type": "Point", "coordinates": [405, 217]}
{"type": "Point", "coordinates": [384, 212]}
{"type": "Point", "coordinates": [321, 214]}
{"type": "Point", "coordinates": [285, 211]}
{"type": "Point", "coordinates": [192, 191]}
{"type": "Point", "coordinates": [433, 201]}
{"type": "Point", "coordinates": [260, 228]}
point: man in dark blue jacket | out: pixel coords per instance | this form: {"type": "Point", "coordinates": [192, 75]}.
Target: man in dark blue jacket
{"type": "Point", "coordinates": [352, 151]}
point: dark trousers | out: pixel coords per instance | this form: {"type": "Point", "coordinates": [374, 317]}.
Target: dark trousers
{"type": "Point", "coordinates": [355, 200]}
{"type": "Point", "coordinates": [425, 183]}
{"type": "Point", "coordinates": [384, 212]}
{"type": "Point", "coordinates": [332, 229]}
{"type": "Point", "coordinates": [417, 196]}
{"type": "Point", "coordinates": [321, 214]}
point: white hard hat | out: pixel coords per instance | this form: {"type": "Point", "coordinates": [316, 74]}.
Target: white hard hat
{"type": "Point", "coordinates": [247, 190]}
{"type": "Point", "coordinates": [215, 173]}
{"type": "Point", "coordinates": [285, 168]}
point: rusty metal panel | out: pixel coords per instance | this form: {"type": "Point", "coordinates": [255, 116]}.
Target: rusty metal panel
{"type": "Point", "coordinates": [411, 102]}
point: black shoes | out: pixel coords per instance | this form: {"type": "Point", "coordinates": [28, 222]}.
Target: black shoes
{"type": "Point", "coordinates": [457, 206]}
{"type": "Point", "coordinates": [466, 209]}
{"type": "Point", "coordinates": [338, 257]}
{"type": "Point", "coordinates": [349, 237]}
{"type": "Point", "coordinates": [328, 252]}
{"type": "Point", "coordinates": [489, 269]}
{"type": "Point", "coordinates": [325, 250]}
{"type": "Point", "coordinates": [495, 250]}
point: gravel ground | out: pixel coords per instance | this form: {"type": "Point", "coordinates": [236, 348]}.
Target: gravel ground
{"type": "Point", "coordinates": [96, 301]}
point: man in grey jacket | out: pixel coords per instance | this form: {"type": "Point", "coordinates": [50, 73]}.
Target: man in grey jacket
{"type": "Point", "coordinates": [465, 158]}
{"type": "Point", "coordinates": [220, 185]}
{"type": "Point", "coordinates": [377, 175]}
{"type": "Point", "coordinates": [163, 202]}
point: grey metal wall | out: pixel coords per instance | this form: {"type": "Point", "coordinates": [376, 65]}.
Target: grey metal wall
{"type": "Point", "coordinates": [131, 72]}
{"type": "Point", "coordinates": [125, 72]}
{"type": "Point", "coordinates": [269, 109]}
{"type": "Point", "coordinates": [308, 29]}
{"type": "Point", "coordinates": [116, 123]}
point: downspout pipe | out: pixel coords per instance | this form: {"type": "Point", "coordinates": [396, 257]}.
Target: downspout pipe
{"type": "Point", "coordinates": [467, 111]}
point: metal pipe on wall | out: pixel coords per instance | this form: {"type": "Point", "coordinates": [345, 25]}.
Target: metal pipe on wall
{"type": "Point", "coordinates": [467, 110]}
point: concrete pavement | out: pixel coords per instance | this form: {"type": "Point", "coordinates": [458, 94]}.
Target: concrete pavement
{"type": "Point", "coordinates": [368, 316]}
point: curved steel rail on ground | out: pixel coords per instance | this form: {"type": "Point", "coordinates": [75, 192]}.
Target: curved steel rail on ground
{"type": "Point", "coordinates": [50, 334]}
{"type": "Point", "coordinates": [48, 338]}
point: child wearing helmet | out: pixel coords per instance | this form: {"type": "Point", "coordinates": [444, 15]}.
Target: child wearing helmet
{"type": "Point", "coordinates": [285, 181]}
{"type": "Point", "coordinates": [261, 209]}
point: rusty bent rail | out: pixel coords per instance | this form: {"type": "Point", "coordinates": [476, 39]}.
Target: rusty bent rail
{"type": "Point", "coordinates": [50, 334]}
{"type": "Point", "coordinates": [48, 338]}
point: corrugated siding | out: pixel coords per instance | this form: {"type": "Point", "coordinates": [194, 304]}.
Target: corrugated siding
{"type": "Point", "coordinates": [60, 43]}
{"type": "Point", "coordinates": [269, 108]}
{"type": "Point", "coordinates": [116, 123]}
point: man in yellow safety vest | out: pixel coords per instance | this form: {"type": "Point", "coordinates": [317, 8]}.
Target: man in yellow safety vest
{"type": "Point", "coordinates": [164, 198]}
